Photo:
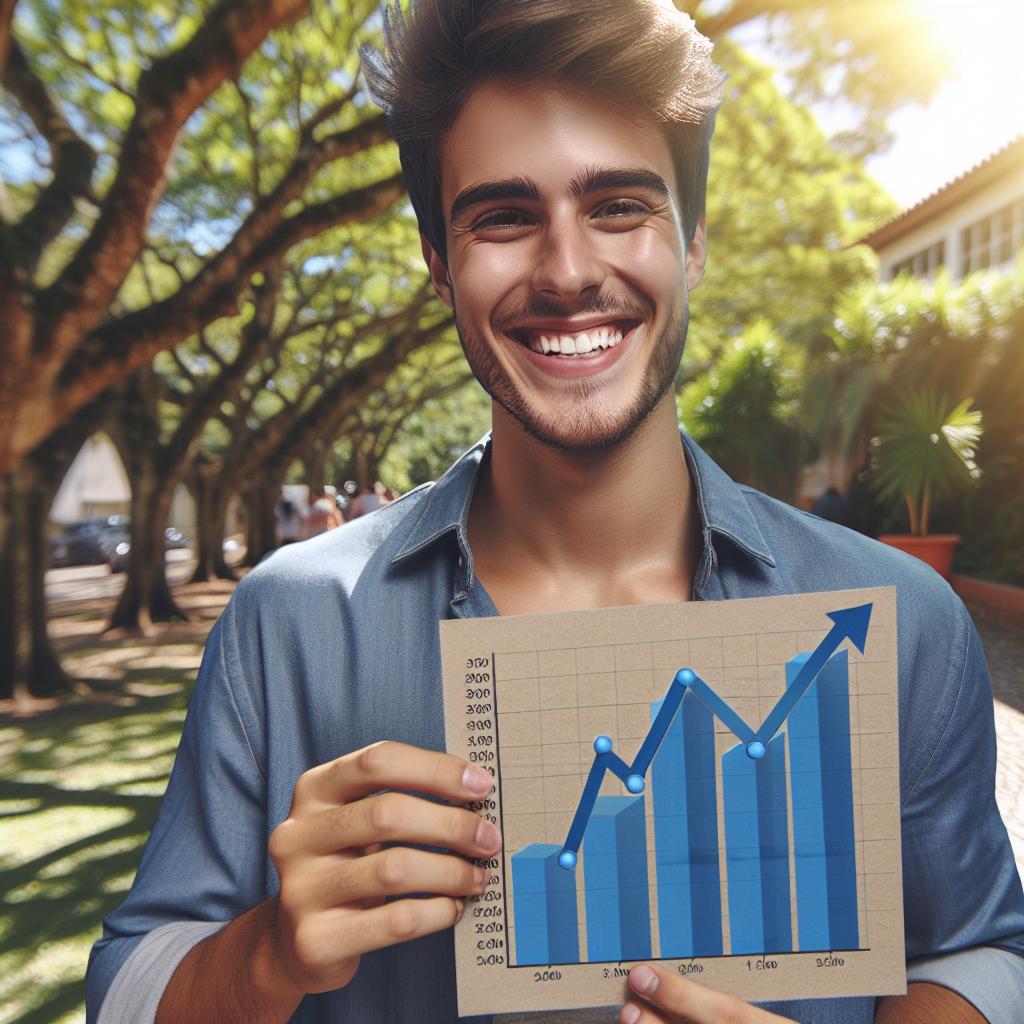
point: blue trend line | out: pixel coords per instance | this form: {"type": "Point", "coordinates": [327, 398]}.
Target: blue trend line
{"type": "Point", "coordinates": [850, 622]}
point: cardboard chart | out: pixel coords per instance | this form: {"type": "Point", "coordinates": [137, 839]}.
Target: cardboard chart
{"type": "Point", "coordinates": [713, 784]}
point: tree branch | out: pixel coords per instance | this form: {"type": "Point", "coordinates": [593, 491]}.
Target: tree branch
{"type": "Point", "coordinates": [121, 346]}
{"type": "Point", "coordinates": [72, 160]}
{"type": "Point", "coordinates": [168, 93]}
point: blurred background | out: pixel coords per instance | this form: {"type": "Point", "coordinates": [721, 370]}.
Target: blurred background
{"type": "Point", "coordinates": [217, 336]}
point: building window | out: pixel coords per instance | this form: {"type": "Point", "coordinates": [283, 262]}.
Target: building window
{"type": "Point", "coordinates": [993, 241]}
{"type": "Point", "coordinates": [923, 264]}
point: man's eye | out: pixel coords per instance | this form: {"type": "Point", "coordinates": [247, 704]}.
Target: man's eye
{"type": "Point", "coordinates": [500, 219]}
{"type": "Point", "coordinates": [626, 208]}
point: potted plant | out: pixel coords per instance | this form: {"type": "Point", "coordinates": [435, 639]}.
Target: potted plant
{"type": "Point", "coordinates": [925, 451]}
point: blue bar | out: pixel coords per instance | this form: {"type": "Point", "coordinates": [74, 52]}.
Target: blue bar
{"type": "Point", "coordinates": [615, 881]}
{"type": "Point", "coordinates": [822, 783]}
{"type": "Point", "coordinates": [686, 833]}
{"type": "Point", "coordinates": [544, 899]}
{"type": "Point", "coordinates": [757, 849]}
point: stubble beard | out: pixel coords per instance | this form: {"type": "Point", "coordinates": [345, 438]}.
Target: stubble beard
{"type": "Point", "coordinates": [586, 426]}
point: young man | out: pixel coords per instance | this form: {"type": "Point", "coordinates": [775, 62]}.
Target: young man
{"type": "Point", "coordinates": [556, 154]}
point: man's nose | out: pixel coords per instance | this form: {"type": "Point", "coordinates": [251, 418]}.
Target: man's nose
{"type": "Point", "coordinates": [567, 266]}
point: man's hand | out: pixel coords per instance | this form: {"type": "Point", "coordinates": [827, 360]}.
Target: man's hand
{"type": "Point", "coordinates": [668, 999]}
{"type": "Point", "coordinates": [335, 878]}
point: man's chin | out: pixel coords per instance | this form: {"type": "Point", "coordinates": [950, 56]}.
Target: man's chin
{"type": "Point", "coordinates": [580, 430]}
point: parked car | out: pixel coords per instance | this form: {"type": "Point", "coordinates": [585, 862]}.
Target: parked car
{"type": "Point", "coordinates": [89, 542]}
{"type": "Point", "coordinates": [99, 541]}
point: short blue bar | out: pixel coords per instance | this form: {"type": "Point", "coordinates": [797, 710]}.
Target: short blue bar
{"type": "Point", "coordinates": [686, 833]}
{"type": "Point", "coordinates": [544, 900]}
{"type": "Point", "coordinates": [615, 881]}
{"type": "Point", "coordinates": [822, 785]}
{"type": "Point", "coordinates": [757, 849]}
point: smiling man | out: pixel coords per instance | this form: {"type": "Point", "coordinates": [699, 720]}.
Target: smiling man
{"type": "Point", "coordinates": [556, 154]}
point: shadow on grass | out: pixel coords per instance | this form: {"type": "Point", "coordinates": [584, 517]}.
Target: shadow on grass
{"type": "Point", "coordinates": [79, 791]}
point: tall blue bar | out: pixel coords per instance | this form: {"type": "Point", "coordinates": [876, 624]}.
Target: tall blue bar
{"type": "Point", "coordinates": [822, 784]}
{"type": "Point", "coordinates": [686, 833]}
{"type": "Point", "coordinates": [615, 880]}
{"type": "Point", "coordinates": [544, 900]}
{"type": "Point", "coordinates": [757, 849]}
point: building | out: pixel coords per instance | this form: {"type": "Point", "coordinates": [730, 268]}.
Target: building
{"type": "Point", "coordinates": [95, 484]}
{"type": "Point", "coordinates": [975, 222]}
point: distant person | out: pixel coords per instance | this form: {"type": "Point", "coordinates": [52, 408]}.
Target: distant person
{"type": "Point", "coordinates": [831, 506]}
{"type": "Point", "coordinates": [289, 520]}
{"type": "Point", "coordinates": [323, 516]}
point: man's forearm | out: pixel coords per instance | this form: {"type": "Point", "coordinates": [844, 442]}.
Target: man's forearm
{"type": "Point", "coordinates": [232, 976]}
{"type": "Point", "coordinates": [925, 1003]}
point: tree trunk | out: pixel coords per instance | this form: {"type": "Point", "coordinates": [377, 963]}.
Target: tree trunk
{"type": "Point", "coordinates": [316, 465]}
{"type": "Point", "coordinates": [146, 597]}
{"type": "Point", "coordinates": [212, 499]}
{"type": "Point", "coordinates": [28, 664]}
{"type": "Point", "coordinates": [260, 500]}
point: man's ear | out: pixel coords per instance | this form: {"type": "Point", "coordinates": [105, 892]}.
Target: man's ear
{"type": "Point", "coordinates": [696, 254]}
{"type": "Point", "coordinates": [438, 272]}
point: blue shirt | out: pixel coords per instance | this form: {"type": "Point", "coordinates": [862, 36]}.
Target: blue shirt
{"type": "Point", "coordinates": [333, 644]}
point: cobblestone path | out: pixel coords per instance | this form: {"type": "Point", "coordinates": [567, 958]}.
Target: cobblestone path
{"type": "Point", "coordinates": [1004, 651]}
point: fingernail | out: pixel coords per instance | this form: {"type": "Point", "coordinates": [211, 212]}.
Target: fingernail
{"type": "Point", "coordinates": [460, 906]}
{"type": "Point", "coordinates": [487, 836]}
{"type": "Point", "coordinates": [643, 981]}
{"type": "Point", "coordinates": [477, 781]}
{"type": "Point", "coordinates": [479, 875]}
{"type": "Point", "coordinates": [629, 1014]}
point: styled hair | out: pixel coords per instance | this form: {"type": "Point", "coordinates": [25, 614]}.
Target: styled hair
{"type": "Point", "coordinates": [641, 55]}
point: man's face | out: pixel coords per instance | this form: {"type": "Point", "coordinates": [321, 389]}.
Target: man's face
{"type": "Point", "coordinates": [567, 265]}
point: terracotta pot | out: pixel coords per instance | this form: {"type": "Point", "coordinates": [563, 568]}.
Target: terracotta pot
{"type": "Point", "coordinates": [935, 549]}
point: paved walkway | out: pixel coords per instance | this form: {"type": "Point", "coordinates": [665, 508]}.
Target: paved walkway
{"type": "Point", "coordinates": [1004, 650]}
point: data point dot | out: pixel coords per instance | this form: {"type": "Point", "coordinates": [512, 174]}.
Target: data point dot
{"type": "Point", "coordinates": [755, 749]}
{"type": "Point", "coordinates": [567, 859]}
{"type": "Point", "coordinates": [635, 783]}
{"type": "Point", "coordinates": [603, 744]}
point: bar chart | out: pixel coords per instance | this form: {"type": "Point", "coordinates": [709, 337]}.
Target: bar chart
{"type": "Point", "coordinates": [712, 787]}
{"type": "Point", "coordinates": [686, 826]}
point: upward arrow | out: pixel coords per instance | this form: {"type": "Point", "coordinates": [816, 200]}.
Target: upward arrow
{"type": "Point", "coordinates": [850, 622]}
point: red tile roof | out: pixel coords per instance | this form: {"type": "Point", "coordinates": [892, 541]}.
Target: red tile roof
{"type": "Point", "coordinates": [1007, 159]}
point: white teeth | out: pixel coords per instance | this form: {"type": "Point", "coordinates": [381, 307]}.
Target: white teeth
{"type": "Point", "coordinates": [584, 343]}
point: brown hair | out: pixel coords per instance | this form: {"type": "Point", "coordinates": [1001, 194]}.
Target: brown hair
{"type": "Point", "coordinates": [640, 54]}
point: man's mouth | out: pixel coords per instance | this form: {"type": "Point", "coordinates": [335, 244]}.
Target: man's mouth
{"type": "Point", "coordinates": [580, 344]}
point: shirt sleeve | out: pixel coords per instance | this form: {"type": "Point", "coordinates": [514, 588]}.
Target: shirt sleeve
{"type": "Point", "coordinates": [961, 889]}
{"type": "Point", "coordinates": [206, 859]}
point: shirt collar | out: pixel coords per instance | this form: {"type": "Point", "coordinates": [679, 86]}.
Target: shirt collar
{"type": "Point", "coordinates": [723, 508]}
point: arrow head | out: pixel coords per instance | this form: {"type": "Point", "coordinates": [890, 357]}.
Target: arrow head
{"type": "Point", "coordinates": [854, 623]}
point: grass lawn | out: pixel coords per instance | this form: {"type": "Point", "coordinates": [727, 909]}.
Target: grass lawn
{"type": "Point", "coordinates": [80, 785]}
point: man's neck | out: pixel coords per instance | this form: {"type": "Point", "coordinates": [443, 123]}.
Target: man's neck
{"type": "Point", "coordinates": [552, 531]}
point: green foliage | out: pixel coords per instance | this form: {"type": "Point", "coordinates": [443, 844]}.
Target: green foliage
{"type": "Point", "coordinates": [743, 411]}
{"type": "Point", "coordinates": [782, 207]}
{"type": "Point", "coordinates": [435, 436]}
{"type": "Point", "coordinates": [910, 337]}
{"type": "Point", "coordinates": [925, 450]}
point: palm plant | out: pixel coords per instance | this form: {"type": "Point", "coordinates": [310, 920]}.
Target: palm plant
{"type": "Point", "coordinates": [925, 451]}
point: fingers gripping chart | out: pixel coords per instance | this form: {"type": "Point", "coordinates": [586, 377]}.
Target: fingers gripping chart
{"type": "Point", "coordinates": [714, 785]}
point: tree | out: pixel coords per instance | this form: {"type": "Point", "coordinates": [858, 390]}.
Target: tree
{"type": "Point", "coordinates": [871, 56]}
{"type": "Point", "coordinates": [263, 139]}
{"type": "Point", "coordinates": [61, 347]}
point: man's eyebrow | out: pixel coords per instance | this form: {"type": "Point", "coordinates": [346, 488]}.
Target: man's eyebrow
{"type": "Point", "coordinates": [597, 179]}
{"type": "Point", "coordinates": [511, 188]}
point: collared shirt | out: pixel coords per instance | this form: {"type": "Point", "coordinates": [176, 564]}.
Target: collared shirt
{"type": "Point", "coordinates": [333, 644]}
